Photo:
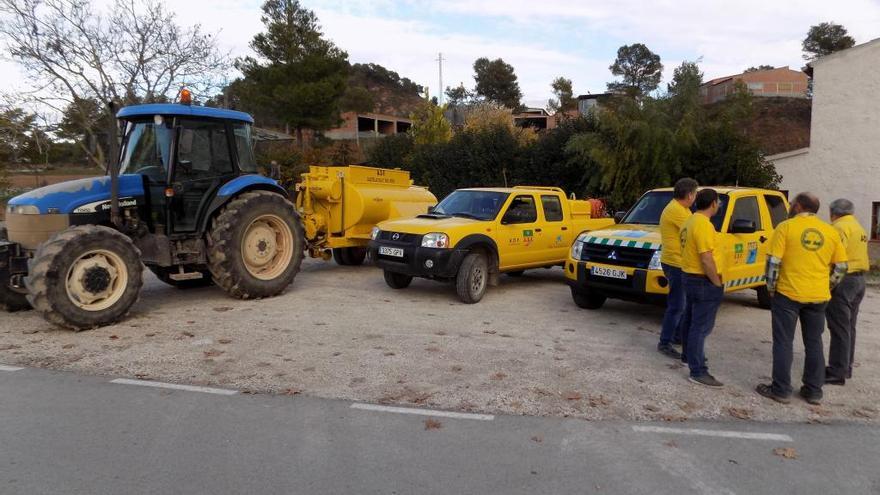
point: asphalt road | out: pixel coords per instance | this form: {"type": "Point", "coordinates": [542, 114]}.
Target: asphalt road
{"type": "Point", "coordinates": [68, 433]}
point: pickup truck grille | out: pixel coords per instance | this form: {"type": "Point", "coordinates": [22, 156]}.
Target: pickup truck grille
{"type": "Point", "coordinates": [402, 237]}
{"type": "Point", "coordinates": [617, 255]}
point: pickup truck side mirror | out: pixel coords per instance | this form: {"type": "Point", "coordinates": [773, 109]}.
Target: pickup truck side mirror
{"type": "Point", "coordinates": [743, 226]}
{"type": "Point", "coordinates": [618, 216]}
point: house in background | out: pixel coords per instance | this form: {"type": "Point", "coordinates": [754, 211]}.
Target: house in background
{"type": "Point", "coordinates": [781, 81]}
{"type": "Point", "coordinates": [842, 158]}
{"type": "Point", "coordinates": [536, 118]}
{"type": "Point", "coordinates": [360, 126]}
{"type": "Point", "coordinates": [590, 102]}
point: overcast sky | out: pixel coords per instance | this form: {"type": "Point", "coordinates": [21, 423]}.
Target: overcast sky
{"type": "Point", "coordinates": [544, 39]}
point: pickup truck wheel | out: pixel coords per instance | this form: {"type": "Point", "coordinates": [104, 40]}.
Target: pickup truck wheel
{"type": "Point", "coordinates": [516, 274]}
{"type": "Point", "coordinates": [397, 280]}
{"type": "Point", "coordinates": [586, 300]}
{"type": "Point", "coordinates": [473, 278]}
{"type": "Point", "coordinates": [764, 299]}
{"type": "Point", "coordinates": [255, 246]}
{"type": "Point", "coordinates": [85, 277]}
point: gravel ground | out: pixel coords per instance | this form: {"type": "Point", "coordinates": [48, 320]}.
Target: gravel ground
{"type": "Point", "coordinates": [525, 349]}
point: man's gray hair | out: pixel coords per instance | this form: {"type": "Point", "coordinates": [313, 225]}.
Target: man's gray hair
{"type": "Point", "coordinates": [841, 207]}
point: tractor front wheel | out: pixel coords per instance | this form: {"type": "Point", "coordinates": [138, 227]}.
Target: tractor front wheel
{"type": "Point", "coordinates": [85, 277]}
{"type": "Point", "coordinates": [255, 247]}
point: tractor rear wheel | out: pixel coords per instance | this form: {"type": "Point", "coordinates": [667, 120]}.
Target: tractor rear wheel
{"type": "Point", "coordinates": [255, 247]}
{"type": "Point", "coordinates": [85, 277]}
{"type": "Point", "coordinates": [164, 273]}
{"type": "Point", "coordinates": [10, 299]}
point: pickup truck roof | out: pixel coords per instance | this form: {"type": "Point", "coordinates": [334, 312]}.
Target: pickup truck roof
{"type": "Point", "coordinates": [514, 189]}
{"type": "Point", "coordinates": [722, 189]}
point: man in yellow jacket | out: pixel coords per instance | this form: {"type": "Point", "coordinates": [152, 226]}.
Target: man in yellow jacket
{"type": "Point", "coordinates": [843, 310]}
{"type": "Point", "coordinates": [700, 262]}
{"type": "Point", "coordinates": [672, 219]}
{"type": "Point", "coordinates": [805, 261]}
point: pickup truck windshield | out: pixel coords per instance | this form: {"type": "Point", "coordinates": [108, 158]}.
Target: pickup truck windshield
{"type": "Point", "coordinates": [480, 205]}
{"type": "Point", "coordinates": [648, 209]}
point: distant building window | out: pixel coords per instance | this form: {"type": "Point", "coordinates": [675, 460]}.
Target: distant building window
{"type": "Point", "coordinates": [756, 86]}
{"type": "Point", "coordinates": [875, 221]}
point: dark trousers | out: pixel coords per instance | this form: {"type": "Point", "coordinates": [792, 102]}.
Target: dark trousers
{"type": "Point", "coordinates": [785, 314]}
{"type": "Point", "coordinates": [842, 314]}
{"type": "Point", "coordinates": [675, 305]}
{"type": "Point", "coordinates": [702, 302]}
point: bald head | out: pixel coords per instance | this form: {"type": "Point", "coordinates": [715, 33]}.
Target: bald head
{"type": "Point", "coordinates": [805, 203]}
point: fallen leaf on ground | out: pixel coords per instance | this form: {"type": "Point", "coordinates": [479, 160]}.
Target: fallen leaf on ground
{"type": "Point", "coordinates": [572, 396]}
{"type": "Point", "coordinates": [598, 400]}
{"type": "Point", "coordinates": [537, 439]}
{"type": "Point", "coordinates": [490, 332]}
{"type": "Point", "coordinates": [672, 418]}
{"type": "Point", "coordinates": [292, 391]}
{"type": "Point", "coordinates": [29, 332]}
{"type": "Point", "coordinates": [865, 412]}
{"type": "Point", "coordinates": [68, 346]}
{"type": "Point", "coordinates": [149, 335]}
{"type": "Point", "coordinates": [221, 309]}
{"type": "Point", "coordinates": [224, 341]}
{"type": "Point", "coordinates": [389, 353]}
{"type": "Point", "coordinates": [433, 424]}
{"type": "Point", "coordinates": [114, 337]}
{"type": "Point", "coordinates": [689, 407]}
{"type": "Point", "coordinates": [432, 349]}
{"type": "Point", "coordinates": [440, 333]}
{"type": "Point", "coordinates": [651, 407]}
{"type": "Point", "coordinates": [568, 329]}
{"type": "Point", "coordinates": [188, 334]}
{"type": "Point", "coordinates": [820, 411]}
{"type": "Point", "coordinates": [498, 376]}
{"type": "Point", "coordinates": [212, 352]}
{"type": "Point", "coordinates": [740, 413]}
{"type": "Point", "coordinates": [457, 368]}
{"type": "Point", "coordinates": [785, 452]}
{"type": "Point", "coordinates": [671, 443]}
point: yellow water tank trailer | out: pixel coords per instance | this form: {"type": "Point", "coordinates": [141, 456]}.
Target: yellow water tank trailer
{"type": "Point", "coordinates": [339, 206]}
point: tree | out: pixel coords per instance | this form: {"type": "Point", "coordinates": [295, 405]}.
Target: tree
{"type": "Point", "coordinates": [638, 67]}
{"type": "Point", "coordinates": [486, 117]}
{"type": "Point", "coordinates": [824, 39]}
{"type": "Point", "coordinates": [298, 77]}
{"type": "Point", "coordinates": [77, 55]}
{"type": "Point", "coordinates": [429, 126]}
{"type": "Point", "coordinates": [458, 95]}
{"type": "Point", "coordinates": [496, 82]}
{"type": "Point", "coordinates": [563, 93]}
{"type": "Point", "coordinates": [758, 68]}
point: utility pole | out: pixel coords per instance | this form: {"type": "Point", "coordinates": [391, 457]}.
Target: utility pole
{"type": "Point", "coordinates": [440, 87]}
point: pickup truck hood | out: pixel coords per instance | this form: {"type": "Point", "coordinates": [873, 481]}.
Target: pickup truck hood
{"type": "Point", "coordinates": [632, 235]}
{"type": "Point", "coordinates": [423, 224]}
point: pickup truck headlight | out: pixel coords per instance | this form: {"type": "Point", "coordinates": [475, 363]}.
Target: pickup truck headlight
{"type": "Point", "coordinates": [22, 210]}
{"type": "Point", "coordinates": [655, 261]}
{"type": "Point", "coordinates": [435, 240]}
{"type": "Point", "coordinates": [578, 247]}
{"type": "Point", "coordinates": [374, 234]}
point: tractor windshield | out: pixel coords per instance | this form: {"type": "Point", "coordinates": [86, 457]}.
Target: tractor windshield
{"type": "Point", "coordinates": [146, 148]}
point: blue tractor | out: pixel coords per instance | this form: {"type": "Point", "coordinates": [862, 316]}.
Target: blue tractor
{"type": "Point", "coordinates": [183, 199]}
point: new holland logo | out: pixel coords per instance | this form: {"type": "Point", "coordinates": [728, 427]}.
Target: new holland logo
{"type": "Point", "coordinates": [612, 255]}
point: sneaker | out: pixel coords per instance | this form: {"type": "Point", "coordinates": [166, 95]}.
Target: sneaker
{"type": "Point", "coordinates": [707, 380]}
{"type": "Point", "coordinates": [767, 391]}
{"type": "Point", "coordinates": [811, 398]}
{"type": "Point", "coordinates": [668, 351]}
{"type": "Point", "coordinates": [830, 380]}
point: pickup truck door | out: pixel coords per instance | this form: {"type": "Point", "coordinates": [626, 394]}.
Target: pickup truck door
{"type": "Point", "coordinates": [745, 253]}
{"type": "Point", "coordinates": [558, 235]}
{"type": "Point", "coordinates": [520, 233]}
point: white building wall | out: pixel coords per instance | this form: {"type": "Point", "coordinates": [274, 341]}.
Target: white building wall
{"type": "Point", "coordinates": [843, 159]}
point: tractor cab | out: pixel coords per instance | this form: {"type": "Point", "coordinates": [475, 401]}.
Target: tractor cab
{"type": "Point", "coordinates": [183, 155]}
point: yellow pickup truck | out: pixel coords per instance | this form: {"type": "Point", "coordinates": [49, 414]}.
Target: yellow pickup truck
{"type": "Point", "coordinates": [623, 262]}
{"type": "Point", "coordinates": [475, 234]}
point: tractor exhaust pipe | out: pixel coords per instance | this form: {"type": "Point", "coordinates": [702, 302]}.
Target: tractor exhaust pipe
{"type": "Point", "coordinates": [112, 159]}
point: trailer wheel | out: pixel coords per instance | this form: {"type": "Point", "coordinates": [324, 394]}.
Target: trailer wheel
{"type": "Point", "coordinates": [255, 247]}
{"type": "Point", "coordinates": [397, 280]}
{"type": "Point", "coordinates": [585, 300]}
{"type": "Point", "coordinates": [350, 256]}
{"type": "Point", "coordinates": [164, 273]}
{"type": "Point", "coordinates": [473, 278]}
{"type": "Point", "coordinates": [764, 299]}
{"type": "Point", "coordinates": [84, 277]}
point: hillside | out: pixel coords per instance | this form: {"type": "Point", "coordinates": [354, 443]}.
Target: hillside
{"type": "Point", "coordinates": [781, 124]}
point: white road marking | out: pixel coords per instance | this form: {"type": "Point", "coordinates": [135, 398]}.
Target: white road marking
{"type": "Point", "coordinates": [715, 433]}
{"type": "Point", "coordinates": [422, 412]}
{"type": "Point", "coordinates": [174, 386]}
{"type": "Point", "coordinates": [4, 367]}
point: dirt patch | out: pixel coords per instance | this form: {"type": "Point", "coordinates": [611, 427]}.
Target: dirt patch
{"type": "Point", "coordinates": [512, 353]}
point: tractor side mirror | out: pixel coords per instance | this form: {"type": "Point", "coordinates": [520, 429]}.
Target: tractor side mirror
{"type": "Point", "coordinates": [618, 216]}
{"type": "Point", "coordinates": [431, 209]}
{"type": "Point", "coordinates": [743, 226]}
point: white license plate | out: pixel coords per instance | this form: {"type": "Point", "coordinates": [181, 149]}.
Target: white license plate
{"type": "Point", "coordinates": [601, 271]}
{"type": "Point", "coordinates": [390, 251]}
